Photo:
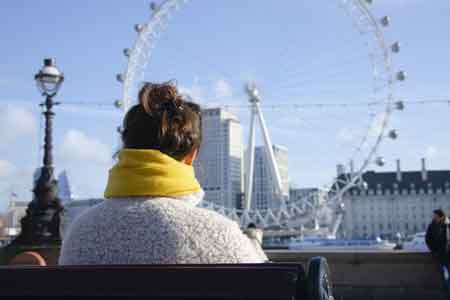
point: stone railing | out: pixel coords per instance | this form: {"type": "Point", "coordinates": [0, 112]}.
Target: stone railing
{"type": "Point", "coordinates": [358, 275]}
{"type": "Point", "coordinates": [377, 275]}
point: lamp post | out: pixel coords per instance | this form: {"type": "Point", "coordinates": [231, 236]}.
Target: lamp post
{"type": "Point", "coordinates": [41, 222]}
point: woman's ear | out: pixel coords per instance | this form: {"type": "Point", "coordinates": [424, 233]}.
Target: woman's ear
{"type": "Point", "coordinates": [190, 158]}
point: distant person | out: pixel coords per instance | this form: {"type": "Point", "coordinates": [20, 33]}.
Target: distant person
{"type": "Point", "coordinates": [437, 239]}
{"type": "Point", "coordinates": [149, 215]}
{"type": "Point", "coordinates": [256, 236]}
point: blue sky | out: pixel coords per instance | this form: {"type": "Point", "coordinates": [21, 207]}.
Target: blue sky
{"type": "Point", "coordinates": [298, 52]}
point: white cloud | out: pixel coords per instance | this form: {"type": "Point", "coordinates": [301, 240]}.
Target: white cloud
{"type": "Point", "coordinates": [195, 91]}
{"type": "Point", "coordinates": [77, 146]}
{"type": "Point", "coordinates": [6, 169]}
{"type": "Point", "coordinates": [223, 89]}
{"type": "Point", "coordinates": [215, 93]}
{"type": "Point", "coordinates": [16, 122]}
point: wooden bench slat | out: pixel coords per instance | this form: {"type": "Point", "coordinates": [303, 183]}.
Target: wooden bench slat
{"type": "Point", "coordinates": [262, 281]}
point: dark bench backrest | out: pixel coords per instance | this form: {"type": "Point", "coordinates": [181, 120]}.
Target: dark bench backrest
{"type": "Point", "coordinates": [262, 281]}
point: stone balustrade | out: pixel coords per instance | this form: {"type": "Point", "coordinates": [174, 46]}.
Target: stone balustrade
{"type": "Point", "coordinates": [357, 275]}
{"type": "Point", "coordinates": [365, 275]}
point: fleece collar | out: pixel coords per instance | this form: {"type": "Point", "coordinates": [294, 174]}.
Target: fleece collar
{"type": "Point", "coordinates": [150, 173]}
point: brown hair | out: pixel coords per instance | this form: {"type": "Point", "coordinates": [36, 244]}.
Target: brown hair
{"type": "Point", "coordinates": [163, 120]}
{"type": "Point", "coordinates": [439, 212]}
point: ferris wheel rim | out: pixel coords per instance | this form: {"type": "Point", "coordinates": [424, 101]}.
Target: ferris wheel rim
{"type": "Point", "coordinates": [140, 55]}
{"type": "Point", "coordinates": [363, 6]}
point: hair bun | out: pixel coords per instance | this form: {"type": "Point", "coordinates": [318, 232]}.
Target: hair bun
{"type": "Point", "coordinates": [157, 97]}
{"type": "Point", "coordinates": [163, 121]}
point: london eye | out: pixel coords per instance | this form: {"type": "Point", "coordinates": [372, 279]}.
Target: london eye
{"type": "Point", "coordinates": [345, 120]}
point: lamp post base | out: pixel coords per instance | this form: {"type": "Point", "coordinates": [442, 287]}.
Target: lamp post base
{"type": "Point", "coordinates": [40, 226]}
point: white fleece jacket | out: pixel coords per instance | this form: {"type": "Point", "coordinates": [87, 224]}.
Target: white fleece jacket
{"type": "Point", "coordinates": [156, 231]}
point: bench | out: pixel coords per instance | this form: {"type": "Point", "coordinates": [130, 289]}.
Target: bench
{"type": "Point", "coordinates": [246, 281]}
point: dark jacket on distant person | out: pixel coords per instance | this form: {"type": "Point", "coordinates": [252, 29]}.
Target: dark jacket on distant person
{"type": "Point", "coordinates": [438, 239]}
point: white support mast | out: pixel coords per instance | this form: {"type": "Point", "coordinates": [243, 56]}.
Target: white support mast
{"type": "Point", "coordinates": [255, 100]}
{"type": "Point", "coordinates": [250, 163]}
{"type": "Point", "coordinates": [269, 148]}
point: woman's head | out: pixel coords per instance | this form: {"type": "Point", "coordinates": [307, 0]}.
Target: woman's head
{"type": "Point", "coordinates": [439, 215]}
{"type": "Point", "coordinates": [163, 120]}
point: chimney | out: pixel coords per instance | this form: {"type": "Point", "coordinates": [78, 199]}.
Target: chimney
{"type": "Point", "coordinates": [399, 171]}
{"type": "Point", "coordinates": [424, 170]}
{"type": "Point", "coordinates": [340, 169]}
{"type": "Point", "coordinates": [352, 167]}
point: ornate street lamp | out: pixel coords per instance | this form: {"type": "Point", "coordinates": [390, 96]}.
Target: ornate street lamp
{"type": "Point", "coordinates": [49, 78]}
{"type": "Point", "coordinates": [41, 223]}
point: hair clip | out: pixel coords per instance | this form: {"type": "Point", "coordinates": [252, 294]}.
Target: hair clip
{"type": "Point", "coordinates": [171, 106]}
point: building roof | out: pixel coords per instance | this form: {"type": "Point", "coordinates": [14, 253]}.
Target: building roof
{"type": "Point", "coordinates": [219, 113]}
{"type": "Point", "coordinates": [410, 181]}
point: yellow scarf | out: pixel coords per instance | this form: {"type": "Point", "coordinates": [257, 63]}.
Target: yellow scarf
{"type": "Point", "coordinates": [150, 173]}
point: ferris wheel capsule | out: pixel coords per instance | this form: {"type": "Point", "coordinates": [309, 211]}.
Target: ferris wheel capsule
{"type": "Point", "coordinates": [401, 76]}
{"type": "Point", "coordinates": [393, 134]}
{"type": "Point", "coordinates": [380, 161]}
{"type": "Point", "coordinates": [127, 52]}
{"type": "Point", "coordinates": [138, 28]}
{"type": "Point", "coordinates": [120, 78]}
{"type": "Point", "coordinates": [395, 48]}
{"type": "Point", "coordinates": [154, 7]}
{"type": "Point", "coordinates": [386, 21]}
{"type": "Point", "coordinates": [399, 105]}
{"type": "Point", "coordinates": [118, 104]}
